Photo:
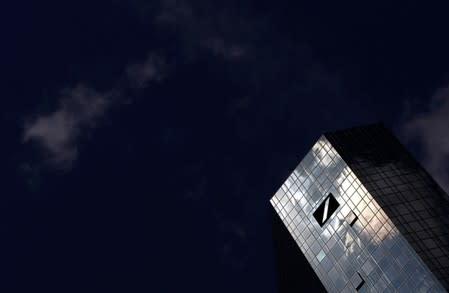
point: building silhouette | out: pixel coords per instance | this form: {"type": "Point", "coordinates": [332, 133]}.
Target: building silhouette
{"type": "Point", "coordinates": [366, 217]}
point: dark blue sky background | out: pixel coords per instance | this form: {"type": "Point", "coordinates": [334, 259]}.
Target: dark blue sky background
{"type": "Point", "coordinates": [142, 140]}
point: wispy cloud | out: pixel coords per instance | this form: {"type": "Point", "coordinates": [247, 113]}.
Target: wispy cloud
{"type": "Point", "coordinates": [220, 47]}
{"type": "Point", "coordinates": [216, 28]}
{"type": "Point", "coordinates": [80, 108]}
{"type": "Point", "coordinates": [234, 250]}
{"type": "Point", "coordinates": [152, 69]}
{"type": "Point", "coordinates": [57, 132]}
{"type": "Point", "coordinates": [430, 129]}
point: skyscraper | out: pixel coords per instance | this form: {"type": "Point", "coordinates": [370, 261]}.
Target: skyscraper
{"type": "Point", "coordinates": [366, 216]}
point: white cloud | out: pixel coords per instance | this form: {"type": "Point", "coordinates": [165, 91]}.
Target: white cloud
{"type": "Point", "coordinates": [431, 130]}
{"type": "Point", "coordinates": [57, 132]}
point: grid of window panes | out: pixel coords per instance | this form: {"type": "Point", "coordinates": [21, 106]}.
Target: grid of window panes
{"type": "Point", "coordinates": [358, 246]}
{"type": "Point", "coordinates": [406, 192]}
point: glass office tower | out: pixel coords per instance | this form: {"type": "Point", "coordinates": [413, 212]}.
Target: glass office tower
{"type": "Point", "coordinates": [366, 215]}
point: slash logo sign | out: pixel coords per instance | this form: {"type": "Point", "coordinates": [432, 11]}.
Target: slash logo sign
{"type": "Point", "coordinates": [326, 209]}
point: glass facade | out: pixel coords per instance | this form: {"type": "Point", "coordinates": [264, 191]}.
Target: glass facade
{"type": "Point", "coordinates": [405, 191]}
{"type": "Point", "coordinates": [344, 232]}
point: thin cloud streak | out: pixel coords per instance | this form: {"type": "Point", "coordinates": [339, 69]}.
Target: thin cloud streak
{"type": "Point", "coordinates": [430, 129]}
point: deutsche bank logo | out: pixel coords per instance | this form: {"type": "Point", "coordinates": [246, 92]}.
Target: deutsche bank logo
{"type": "Point", "coordinates": [326, 209]}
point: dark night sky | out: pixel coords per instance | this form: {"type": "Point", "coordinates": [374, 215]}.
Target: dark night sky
{"type": "Point", "coordinates": [142, 140]}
